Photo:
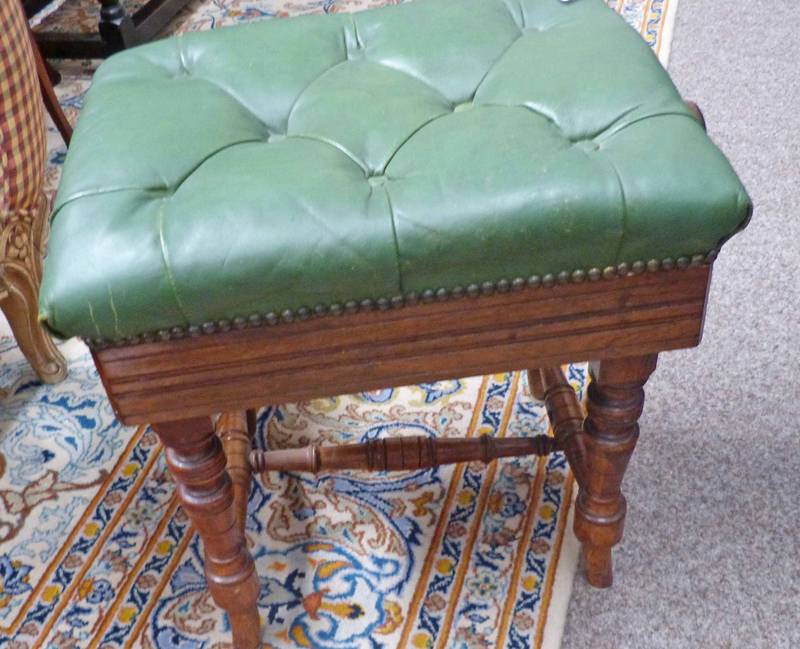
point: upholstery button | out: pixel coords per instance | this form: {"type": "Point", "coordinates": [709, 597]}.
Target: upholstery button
{"type": "Point", "coordinates": [377, 181]}
{"type": "Point", "coordinates": [467, 105]}
{"type": "Point", "coordinates": [355, 51]}
{"type": "Point", "coordinates": [590, 146]}
{"type": "Point", "coordinates": [275, 137]}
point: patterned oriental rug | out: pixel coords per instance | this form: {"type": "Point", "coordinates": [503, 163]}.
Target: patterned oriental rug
{"type": "Point", "coordinates": [96, 553]}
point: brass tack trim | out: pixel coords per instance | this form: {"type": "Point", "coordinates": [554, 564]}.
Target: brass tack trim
{"type": "Point", "coordinates": [412, 298]}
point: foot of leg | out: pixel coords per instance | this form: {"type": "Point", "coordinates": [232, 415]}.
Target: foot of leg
{"type": "Point", "coordinates": [616, 399]}
{"type": "Point", "coordinates": [19, 303]}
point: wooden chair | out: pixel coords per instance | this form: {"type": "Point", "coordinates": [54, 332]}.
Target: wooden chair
{"type": "Point", "coordinates": [23, 205]}
{"type": "Point", "coordinates": [497, 191]}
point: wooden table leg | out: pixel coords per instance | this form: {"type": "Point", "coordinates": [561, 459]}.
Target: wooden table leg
{"type": "Point", "coordinates": [197, 462]}
{"type": "Point", "coordinates": [616, 399]}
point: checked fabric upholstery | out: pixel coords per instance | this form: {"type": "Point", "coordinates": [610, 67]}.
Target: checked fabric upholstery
{"type": "Point", "coordinates": [319, 160]}
{"type": "Point", "coordinates": [22, 131]}
{"type": "Point", "coordinates": [23, 204]}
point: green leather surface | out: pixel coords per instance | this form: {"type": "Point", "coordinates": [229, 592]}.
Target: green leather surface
{"type": "Point", "coordinates": [315, 160]}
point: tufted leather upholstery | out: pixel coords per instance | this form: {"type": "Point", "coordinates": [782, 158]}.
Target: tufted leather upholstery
{"type": "Point", "coordinates": [321, 159]}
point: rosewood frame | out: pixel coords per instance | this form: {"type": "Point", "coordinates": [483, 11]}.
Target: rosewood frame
{"type": "Point", "coordinates": [620, 324]}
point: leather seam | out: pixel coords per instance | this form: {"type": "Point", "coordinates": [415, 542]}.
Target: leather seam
{"type": "Point", "coordinates": [159, 189]}
{"type": "Point", "coordinates": [234, 98]}
{"type": "Point", "coordinates": [173, 190]}
{"type": "Point", "coordinates": [609, 132]}
{"type": "Point", "coordinates": [424, 82]}
{"type": "Point", "coordinates": [407, 139]}
{"type": "Point", "coordinates": [520, 13]}
{"type": "Point", "coordinates": [396, 240]}
{"type": "Point", "coordinates": [530, 109]}
{"type": "Point", "coordinates": [165, 257]}
{"type": "Point", "coordinates": [623, 205]}
{"type": "Point", "coordinates": [334, 145]}
{"type": "Point", "coordinates": [500, 57]}
{"type": "Point", "coordinates": [89, 193]}
{"type": "Point", "coordinates": [308, 85]}
{"type": "Point", "coordinates": [210, 82]}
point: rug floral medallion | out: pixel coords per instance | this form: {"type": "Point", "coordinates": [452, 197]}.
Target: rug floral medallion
{"type": "Point", "coordinates": [95, 551]}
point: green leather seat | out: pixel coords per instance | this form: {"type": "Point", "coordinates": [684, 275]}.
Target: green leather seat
{"type": "Point", "coordinates": [291, 167]}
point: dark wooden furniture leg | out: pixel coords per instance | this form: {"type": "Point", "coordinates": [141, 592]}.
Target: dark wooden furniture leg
{"type": "Point", "coordinates": [616, 399]}
{"type": "Point", "coordinates": [116, 27]}
{"type": "Point", "coordinates": [197, 462]}
{"type": "Point", "coordinates": [45, 74]}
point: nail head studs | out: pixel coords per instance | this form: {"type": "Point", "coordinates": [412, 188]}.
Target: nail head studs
{"type": "Point", "coordinates": [441, 294]}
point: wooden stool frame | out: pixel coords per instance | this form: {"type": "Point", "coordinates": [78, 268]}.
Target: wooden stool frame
{"type": "Point", "coordinates": [618, 320]}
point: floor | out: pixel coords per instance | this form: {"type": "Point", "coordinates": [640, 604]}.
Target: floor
{"type": "Point", "coordinates": [711, 556]}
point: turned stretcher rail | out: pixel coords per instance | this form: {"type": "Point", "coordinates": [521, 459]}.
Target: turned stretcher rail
{"type": "Point", "coordinates": [413, 453]}
{"type": "Point", "coordinates": [565, 414]}
{"type": "Point", "coordinates": [399, 454]}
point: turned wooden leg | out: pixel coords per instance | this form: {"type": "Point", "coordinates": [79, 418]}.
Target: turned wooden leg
{"type": "Point", "coordinates": [197, 462]}
{"type": "Point", "coordinates": [18, 300]}
{"type": "Point", "coordinates": [116, 27]}
{"type": "Point", "coordinates": [616, 398]}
